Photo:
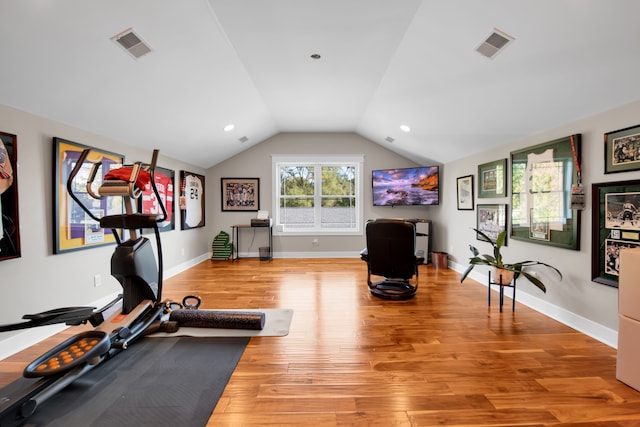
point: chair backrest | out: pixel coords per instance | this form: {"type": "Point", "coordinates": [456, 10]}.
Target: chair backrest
{"type": "Point", "coordinates": [391, 247]}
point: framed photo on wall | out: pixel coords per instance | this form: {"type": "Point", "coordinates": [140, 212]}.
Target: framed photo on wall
{"type": "Point", "coordinates": [615, 227]}
{"type": "Point", "coordinates": [465, 193]}
{"type": "Point", "coordinates": [9, 218]}
{"type": "Point", "coordinates": [240, 194]}
{"type": "Point", "coordinates": [492, 178]}
{"type": "Point", "coordinates": [191, 200]}
{"type": "Point", "coordinates": [491, 220]}
{"type": "Point", "coordinates": [73, 229]}
{"type": "Point", "coordinates": [622, 150]}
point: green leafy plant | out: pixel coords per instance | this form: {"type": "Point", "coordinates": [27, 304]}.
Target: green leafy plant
{"type": "Point", "coordinates": [496, 261]}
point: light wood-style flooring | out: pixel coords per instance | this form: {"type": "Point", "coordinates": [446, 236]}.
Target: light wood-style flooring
{"type": "Point", "coordinates": [442, 358]}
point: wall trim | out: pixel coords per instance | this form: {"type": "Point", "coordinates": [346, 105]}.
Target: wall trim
{"type": "Point", "coordinates": [607, 336]}
{"type": "Point", "coordinates": [588, 327]}
{"type": "Point", "coordinates": [28, 337]}
{"type": "Point", "coordinates": [315, 254]}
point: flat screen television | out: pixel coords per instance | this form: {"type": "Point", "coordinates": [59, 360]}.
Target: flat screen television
{"type": "Point", "coordinates": [406, 187]}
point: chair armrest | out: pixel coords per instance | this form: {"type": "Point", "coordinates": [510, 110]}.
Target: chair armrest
{"type": "Point", "coordinates": [364, 254]}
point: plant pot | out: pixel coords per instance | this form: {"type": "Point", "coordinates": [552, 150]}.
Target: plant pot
{"type": "Point", "coordinates": [502, 276]}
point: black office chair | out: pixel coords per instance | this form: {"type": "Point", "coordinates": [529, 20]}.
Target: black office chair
{"type": "Point", "coordinates": [391, 253]}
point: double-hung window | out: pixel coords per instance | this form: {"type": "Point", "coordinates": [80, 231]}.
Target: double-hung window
{"type": "Point", "coordinates": [317, 195]}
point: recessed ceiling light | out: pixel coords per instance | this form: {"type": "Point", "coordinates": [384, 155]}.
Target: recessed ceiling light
{"type": "Point", "coordinates": [405, 128]}
{"type": "Point", "coordinates": [229, 127]}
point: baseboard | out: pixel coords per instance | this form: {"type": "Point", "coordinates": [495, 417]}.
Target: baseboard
{"type": "Point", "coordinates": [28, 337]}
{"type": "Point", "coordinates": [588, 327]}
{"type": "Point", "coordinates": [316, 254]}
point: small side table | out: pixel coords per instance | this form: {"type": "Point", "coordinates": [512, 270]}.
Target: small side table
{"type": "Point", "coordinates": [235, 235]}
{"type": "Point", "coordinates": [502, 286]}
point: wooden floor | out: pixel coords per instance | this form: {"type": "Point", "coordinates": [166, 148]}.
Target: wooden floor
{"type": "Point", "coordinates": [442, 358]}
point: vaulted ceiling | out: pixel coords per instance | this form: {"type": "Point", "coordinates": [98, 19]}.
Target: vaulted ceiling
{"type": "Point", "coordinates": [383, 63]}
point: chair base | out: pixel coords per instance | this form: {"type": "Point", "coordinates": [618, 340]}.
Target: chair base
{"type": "Point", "coordinates": [393, 289]}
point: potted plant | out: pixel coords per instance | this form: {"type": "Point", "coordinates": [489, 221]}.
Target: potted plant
{"type": "Point", "coordinates": [503, 269]}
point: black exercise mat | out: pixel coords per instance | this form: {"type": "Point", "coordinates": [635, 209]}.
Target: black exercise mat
{"type": "Point", "coordinates": [156, 382]}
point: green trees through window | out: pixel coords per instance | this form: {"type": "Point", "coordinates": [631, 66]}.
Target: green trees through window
{"type": "Point", "coordinates": [318, 196]}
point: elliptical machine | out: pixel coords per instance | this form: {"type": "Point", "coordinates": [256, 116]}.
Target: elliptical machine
{"type": "Point", "coordinates": [133, 264]}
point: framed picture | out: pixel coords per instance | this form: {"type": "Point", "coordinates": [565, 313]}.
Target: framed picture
{"type": "Point", "coordinates": [9, 226]}
{"type": "Point", "coordinates": [149, 204]}
{"type": "Point", "coordinates": [465, 193]}
{"type": "Point", "coordinates": [491, 220]}
{"type": "Point", "coordinates": [615, 227]}
{"type": "Point", "coordinates": [73, 229]}
{"type": "Point", "coordinates": [492, 178]}
{"type": "Point", "coordinates": [622, 150]}
{"type": "Point", "coordinates": [240, 194]}
{"type": "Point", "coordinates": [542, 178]}
{"type": "Point", "coordinates": [191, 200]}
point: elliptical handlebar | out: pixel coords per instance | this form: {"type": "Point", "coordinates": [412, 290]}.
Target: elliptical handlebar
{"type": "Point", "coordinates": [152, 169]}
{"type": "Point", "coordinates": [72, 177]}
{"type": "Point", "coordinates": [132, 191]}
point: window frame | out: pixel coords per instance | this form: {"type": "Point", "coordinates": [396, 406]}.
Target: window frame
{"type": "Point", "coordinates": [318, 161]}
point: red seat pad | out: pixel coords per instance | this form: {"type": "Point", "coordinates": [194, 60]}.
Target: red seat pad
{"type": "Point", "coordinates": [124, 173]}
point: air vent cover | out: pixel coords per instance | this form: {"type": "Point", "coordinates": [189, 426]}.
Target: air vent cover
{"type": "Point", "coordinates": [389, 139]}
{"type": "Point", "coordinates": [132, 43]}
{"type": "Point", "coordinates": [494, 43]}
{"type": "Point", "coordinates": [243, 139]}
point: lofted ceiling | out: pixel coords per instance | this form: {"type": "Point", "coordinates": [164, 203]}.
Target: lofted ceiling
{"type": "Point", "coordinates": [383, 63]}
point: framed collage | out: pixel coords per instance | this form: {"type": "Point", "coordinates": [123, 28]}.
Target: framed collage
{"type": "Point", "coordinates": [616, 226]}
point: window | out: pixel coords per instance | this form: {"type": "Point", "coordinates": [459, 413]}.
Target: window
{"type": "Point", "coordinates": [317, 195]}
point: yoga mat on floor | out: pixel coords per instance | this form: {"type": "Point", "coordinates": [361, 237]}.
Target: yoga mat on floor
{"type": "Point", "coordinates": [156, 382]}
{"type": "Point", "coordinates": [277, 323]}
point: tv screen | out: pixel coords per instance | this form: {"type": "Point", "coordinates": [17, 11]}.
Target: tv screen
{"type": "Point", "coordinates": [406, 187]}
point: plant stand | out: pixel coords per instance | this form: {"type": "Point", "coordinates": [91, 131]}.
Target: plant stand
{"type": "Point", "coordinates": [499, 283]}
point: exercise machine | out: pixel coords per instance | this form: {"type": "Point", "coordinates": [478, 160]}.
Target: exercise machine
{"type": "Point", "coordinates": [122, 321]}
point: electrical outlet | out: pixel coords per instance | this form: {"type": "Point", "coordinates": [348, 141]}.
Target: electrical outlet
{"type": "Point", "coordinates": [182, 252]}
{"type": "Point", "coordinates": [97, 281]}
{"type": "Point", "coordinates": [315, 242]}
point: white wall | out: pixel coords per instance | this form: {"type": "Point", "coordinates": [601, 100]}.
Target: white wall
{"type": "Point", "coordinates": [40, 280]}
{"type": "Point", "coordinates": [576, 300]}
{"type": "Point", "coordinates": [256, 163]}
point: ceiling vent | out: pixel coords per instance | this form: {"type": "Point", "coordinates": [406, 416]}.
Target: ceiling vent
{"type": "Point", "coordinates": [389, 139]}
{"type": "Point", "coordinates": [132, 43]}
{"type": "Point", "coordinates": [243, 139]}
{"type": "Point", "coordinates": [494, 43]}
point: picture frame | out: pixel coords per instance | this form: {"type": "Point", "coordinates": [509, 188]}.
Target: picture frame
{"type": "Point", "coordinates": [542, 181]}
{"type": "Point", "coordinates": [148, 203]}
{"type": "Point", "coordinates": [73, 229]}
{"type": "Point", "coordinates": [240, 194]}
{"type": "Point", "coordinates": [615, 226]}
{"type": "Point", "coordinates": [465, 192]}
{"type": "Point", "coordinates": [622, 150]}
{"type": "Point", "coordinates": [192, 200]}
{"type": "Point", "coordinates": [492, 179]}
{"type": "Point", "coordinates": [9, 216]}
{"type": "Point", "coordinates": [491, 219]}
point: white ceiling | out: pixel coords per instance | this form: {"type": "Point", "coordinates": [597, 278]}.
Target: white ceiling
{"type": "Point", "coordinates": [384, 63]}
